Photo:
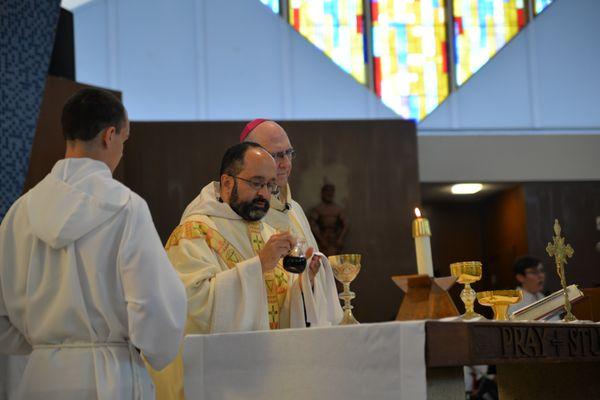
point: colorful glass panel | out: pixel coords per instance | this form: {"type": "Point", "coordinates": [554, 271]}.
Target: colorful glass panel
{"type": "Point", "coordinates": [481, 28]}
{"type": "Point", "coordinates": [410, 59]}
{"type": "Point", "coordinates": [539, 5]}
{"type": "Point", "coordinates": [336, 27]}
{"type": "Point", "coordinates": [272, 4]}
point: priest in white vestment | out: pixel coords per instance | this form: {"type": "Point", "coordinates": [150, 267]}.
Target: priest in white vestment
{"type": "Point", "coordinates": [230, 261]}
{"type": "Point", "coordinates": [284, 213]}
{"type": "Point", "coordinates": [85, 284]}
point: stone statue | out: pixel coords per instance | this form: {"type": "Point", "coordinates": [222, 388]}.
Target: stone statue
{"type": "Point", "coordinates": [328, 222]}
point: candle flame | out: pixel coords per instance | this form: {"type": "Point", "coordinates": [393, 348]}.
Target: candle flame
{"type": "Point", "coordinates": [417, 212]}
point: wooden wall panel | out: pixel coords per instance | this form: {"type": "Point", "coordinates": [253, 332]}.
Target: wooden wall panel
{"type": "Point", "coordinates": [491, 230]}
{"type": "Point", "coordinates": [505, 237]}
{"type": "Point", "coordinates": [457, 233]}
{"type": "Point", "coordinates": [372, 163]}
{"type": "Point", "coordinates": [577, 207]}
{"type": "Point", "coordinates": [519, 221]}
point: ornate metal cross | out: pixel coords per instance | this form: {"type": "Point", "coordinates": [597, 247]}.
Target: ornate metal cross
{"type": "Point", "coordinates": [560, 252]}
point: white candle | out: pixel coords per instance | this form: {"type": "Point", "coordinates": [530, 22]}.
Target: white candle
{"type": "Point", "coordinates": [421, 233]}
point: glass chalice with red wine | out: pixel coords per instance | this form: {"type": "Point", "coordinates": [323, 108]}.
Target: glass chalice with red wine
{"type": "Point", "coordinates": [295, 261]}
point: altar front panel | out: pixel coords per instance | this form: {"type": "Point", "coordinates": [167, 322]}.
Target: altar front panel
{"type": "Point", "coordinates": [379, 361]}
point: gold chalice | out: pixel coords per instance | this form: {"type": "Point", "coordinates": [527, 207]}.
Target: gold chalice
{"type": "Point", "coordinates": [499, 300]}
{"type": "Point", "coordinates": [345, 269]}
{"type": "Point", "coordinates": [467, 272]}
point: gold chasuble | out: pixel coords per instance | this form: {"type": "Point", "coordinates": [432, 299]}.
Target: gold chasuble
{"type": "Point", "coordinates": [276, 281]}
{"type": "Point", "coordinates": [199, 230]}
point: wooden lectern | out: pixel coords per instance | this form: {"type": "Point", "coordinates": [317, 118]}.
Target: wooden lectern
{"type": "Point", "coordinates": [589, 307]}
{"type": "Point", "coordinates": [425, 297]}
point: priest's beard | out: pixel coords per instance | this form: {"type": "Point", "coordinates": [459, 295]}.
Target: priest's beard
{"type": "Point", "coordinates": [248, 210]}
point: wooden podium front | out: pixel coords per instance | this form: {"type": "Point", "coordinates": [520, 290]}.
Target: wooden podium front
{"type": "Point", "coordinates": [534, 360]}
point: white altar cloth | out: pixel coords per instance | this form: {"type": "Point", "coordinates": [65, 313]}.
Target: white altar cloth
{"type": "Point", "coordinates": [368, 361]}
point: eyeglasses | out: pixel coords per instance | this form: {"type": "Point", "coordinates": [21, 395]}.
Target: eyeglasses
{"type": "Point", "coordinates": [289, 153]}
{"type": "Point", "coordinates": [535, 271]}
{"type": "Point", "coordinates": [255, 185]}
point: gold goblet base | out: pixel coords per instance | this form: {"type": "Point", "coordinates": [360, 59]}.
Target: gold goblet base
{"type": "Point", "coordinates": [349, 318]}
{"type": "Point", "coordinates": [347, 296]}
{"type": "Point", "coordinates": [499, 300]}
{"type": "Point", "coordinates": [470, 315]}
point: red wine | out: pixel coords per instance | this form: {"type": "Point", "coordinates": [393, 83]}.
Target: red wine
{"type": "Point", "coordinates": [295, 265]}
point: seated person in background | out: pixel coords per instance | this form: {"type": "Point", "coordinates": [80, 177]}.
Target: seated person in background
{"type": "Point", "coordinates": [231, 262]}
{"type": "Point", "coordinates": [285, 214]}
{"type": "Point", "coordinates": [529, 272]}
{"type": "Point", "coordinates": [480, 382]}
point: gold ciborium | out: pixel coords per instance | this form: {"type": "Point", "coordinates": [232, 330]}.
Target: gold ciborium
{"type": "Point", "coordinates": [499, 300]}
{"type": "Point", "coordinates": [345, 269]}
{"type": "Point", "coordinates": [467, 272]}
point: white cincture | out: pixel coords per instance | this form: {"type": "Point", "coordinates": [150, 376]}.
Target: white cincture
{"type": "Point", "coordinates": [137, 384]}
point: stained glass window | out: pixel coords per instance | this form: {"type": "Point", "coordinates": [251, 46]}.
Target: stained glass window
{"type": "Point", "coordinates": [336, 27]}
{"type": "Point", "coordinates": [272, 4]}
{"type": "Point", "coordinates": [481, 28]}
{"type": "Point", "coordinates": [540, 5]}
{"type": "Point", "coordinates": [409, 55]}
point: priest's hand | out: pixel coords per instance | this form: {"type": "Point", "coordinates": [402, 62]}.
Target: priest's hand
{"type": "Point", "coordinates": [276, 247]}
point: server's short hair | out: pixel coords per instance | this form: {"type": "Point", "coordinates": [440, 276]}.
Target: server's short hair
{"type": "Point", "coordinates": [90, 111]}
{"type": "Point", "coordinates": [524, 262]}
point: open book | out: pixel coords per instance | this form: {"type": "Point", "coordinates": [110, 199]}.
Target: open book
{"type": "Point", "coordinates": [548, 306]}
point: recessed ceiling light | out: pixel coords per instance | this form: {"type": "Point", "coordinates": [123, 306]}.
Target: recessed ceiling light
{"type": "Point", "coordinates": [466, 188]}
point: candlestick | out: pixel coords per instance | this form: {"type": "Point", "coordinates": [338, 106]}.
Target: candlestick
{"type": "Point", "coordinates": [421, 233]}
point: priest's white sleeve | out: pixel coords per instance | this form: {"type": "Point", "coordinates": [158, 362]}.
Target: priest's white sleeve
{"type": "Point", "coordinates": [241, 299]}
{"type": "Point", "coordinates": [219, 299]}
{"type": "Point", "coordinates": [320, 302]}
{"type": "Point", "coordinates": [156, 303]}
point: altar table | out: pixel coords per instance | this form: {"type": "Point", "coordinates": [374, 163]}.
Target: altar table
{"type": "Point", "coordinates": [414, 360]}
{"type": "Point", "coordinates": [369, 361]}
